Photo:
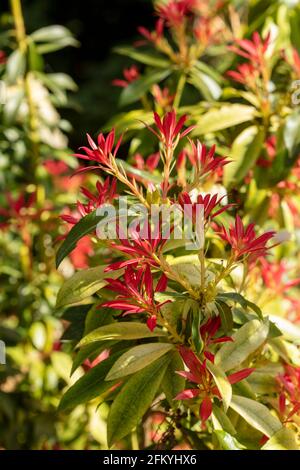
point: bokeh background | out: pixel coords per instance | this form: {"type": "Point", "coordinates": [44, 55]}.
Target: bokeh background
{"type": "Point", "coordinates": [98, 27]}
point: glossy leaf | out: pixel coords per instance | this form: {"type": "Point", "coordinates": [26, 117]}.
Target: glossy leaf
{"type": "Point", "coordinates": [221, 421]}
{"type": "Point", "coordinates": [173, 383]}
{"type": "Point", "coordinates": [137, 358]}
{"type": "Point", "coordinates": [244, 152]}
{"type": "Point", "coordinates": [227, 442]}
{"type": "Point", "coordinates": [90, 385]}
{"type": "Point", "coordinates": [228, 115]}
{"type": "Point", "coordinates": [222, 383]}
{"type": "Point", "coordinates": [134, 400]}
{"type": "Point", "coordinates": [147, 58]}
{"type": "Point", "coordinates": [82, 285]}
{"type": "Point", "coordinates": [284, 439]}
{"type": "Point", "coordinates": [120, 331]}
{"type": "Point", "coordinates": [85, 226]}
{"type": "Point", "coordinates": [256, 414]}
{"type": "Point", "coordinates": [135, 90]}
{"type": "Point", "coordinates": [15, 66]}
{"type": "Point", "coordinates": [246, 340]}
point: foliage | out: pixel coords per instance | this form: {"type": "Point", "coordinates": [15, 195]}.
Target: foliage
{"type": "Point", "coordinates": [173, 345]}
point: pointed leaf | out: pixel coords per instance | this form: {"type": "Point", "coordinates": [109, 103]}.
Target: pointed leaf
{"type": "Point", "coordinates": [246, 340]}
{"type": "Point", "coordinates": [256, 414]}
{"type": "Point", "coordinates": [137, 358]}
{"type": "Point", "coordinates": [228, 115]}
{"type": "Point", "coordinates": [83, 284]}
{"type": "Point", "coordinates": [222, 383]}
{"type": "Point", "coordinates": [85, 226]}
{"type": "Point", "coordinates": [90, 385]}
{"type": "Point", "coordinates": [120, 331]}
{"type": "Point", "coordinates": [284, 439]}
{"type": "Point", "coordinates": [134, 400]}
{"type": "Point", "coordinates": [228, 442]}
{"type": "Point", "coordinates": [221, 421]}
{"type": "Point", "coordinates": [172, 383]}
{"type": "Point", "coordinates": [135, 90]}
{"type": "Point", "coordinates": [147, 58]}
{"type": "Point", "coordinates": [244, 152]}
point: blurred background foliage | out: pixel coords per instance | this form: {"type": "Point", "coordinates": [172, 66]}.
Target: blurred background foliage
{"type": "Point", "coordinates": [59, 86]}
{"type": "Point", "coordinates": [98, 28]}
{"type": "Point", "coordinates": [36, 138]}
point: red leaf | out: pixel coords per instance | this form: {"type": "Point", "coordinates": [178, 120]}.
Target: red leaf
{"type": "Point", "coordinates": [205, 409]}
{"type": "Point", "coordinates": [241, 375]}
{"type": "Point", "coordinates": [187, 394]}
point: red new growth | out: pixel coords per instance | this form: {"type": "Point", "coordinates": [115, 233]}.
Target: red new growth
{"type": "Point", "coordinates": [169, 128]}
{"type": "Point", "coordinates": [136, 294]}
{"type": "Point", "coordinates": [130, 75]}
{"type": "Point", "coordinates": [101, 153]}
{"type": "Point", "coordinates": [199, 374]}
{"type": "Point", "coordinates": [244, 242]}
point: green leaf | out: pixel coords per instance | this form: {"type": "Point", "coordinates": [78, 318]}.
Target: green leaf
{"type": "Point", "coordinates": [137, 358]}
{"type": "Point", "coordinates": [239, 299]}
{"type": "Point", "coordinates": [222, 383]}
{"type": "Point", "coordinates": [291, 133]}
{"type": "Point", "coordinates": [93, 349]}
{"type": "Point", "coordinates": [289, 352]}
{"type": "Point", "coordinates": [76, 315]}
{"type": "Point", "coordinates": [246, 340]}
{"type": "Point", "coordinates": [147, 58]}
{"type": "Point", "coordinates": [263, 382]}
{"type": "Point", "coordinates": [36, 62]}
{"type": "Point", "coordinates": [120, 331]}
{"type": "Point", "coordinates": [221, 421]}
{"type": "Point", "coordinates": [256, 414]}
{"type": "Point", "coordinates": [12, 105]}
{"type": "Point", "coordinates": [289, 330]}
{"type": "Point", "coordinates": [15, 66]}
{"type": "Point", "coordinates": [225, 313]}
{"type": "Point", "coordinates": [134, 400]}
{"type": "Point", "coordinates": [228, 115]}
{"type": "Point", "coordinates": [244, 152]}
{"type": "Point", "coordinates": [62, 364]}
{"type": "Point", "coordinates": [46, 48]}
{"type": "Point", "coordinates": [133, 120]}
{"type": "Point", "coordinates": [173, 383]}
{"type": "Point", "coordinates": [63, 81]}
{"type": "Point", "coordinates": [85, 226]}
{"type": "Point", "coordinates": [90, 385]}
{"type": "Point", "coordinates": [208, 70]}
{"type": "Point", "coordinates": [141, 173]}
{"type": "Point", "coordinates": [51, 33]}
{"type": "Point", "coordinates": [284, 439]}
{"type": "Point", "coordinates": [83, 284]}
{"type": "Point", "coordinates": [196, 336]}
{"type": "Point", "coordinates": [208, 87]}
{"type": "Point", "coordinates": [135, 90]}
{"type": "Point", "coordinates": [227, 442]}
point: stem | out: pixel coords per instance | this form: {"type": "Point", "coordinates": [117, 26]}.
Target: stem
{"type": "Point", "coordinates": [245, 272]}
{"type": "Point", "coordinates": [202, 266]}
{"type": "Point", "coordinates": [179, 91]}
{"type": "Point", "coordinates": [16, 9]}
{"type": "Point", "coordinates": [225, 271]}
{"type": "Point", "coordinates": [170, 329]}
{"type": "Point", "coordinates": [167, 167]}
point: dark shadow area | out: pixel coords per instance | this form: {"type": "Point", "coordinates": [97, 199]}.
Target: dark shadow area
{"type": "Point", "coordinates": [99, 25]}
